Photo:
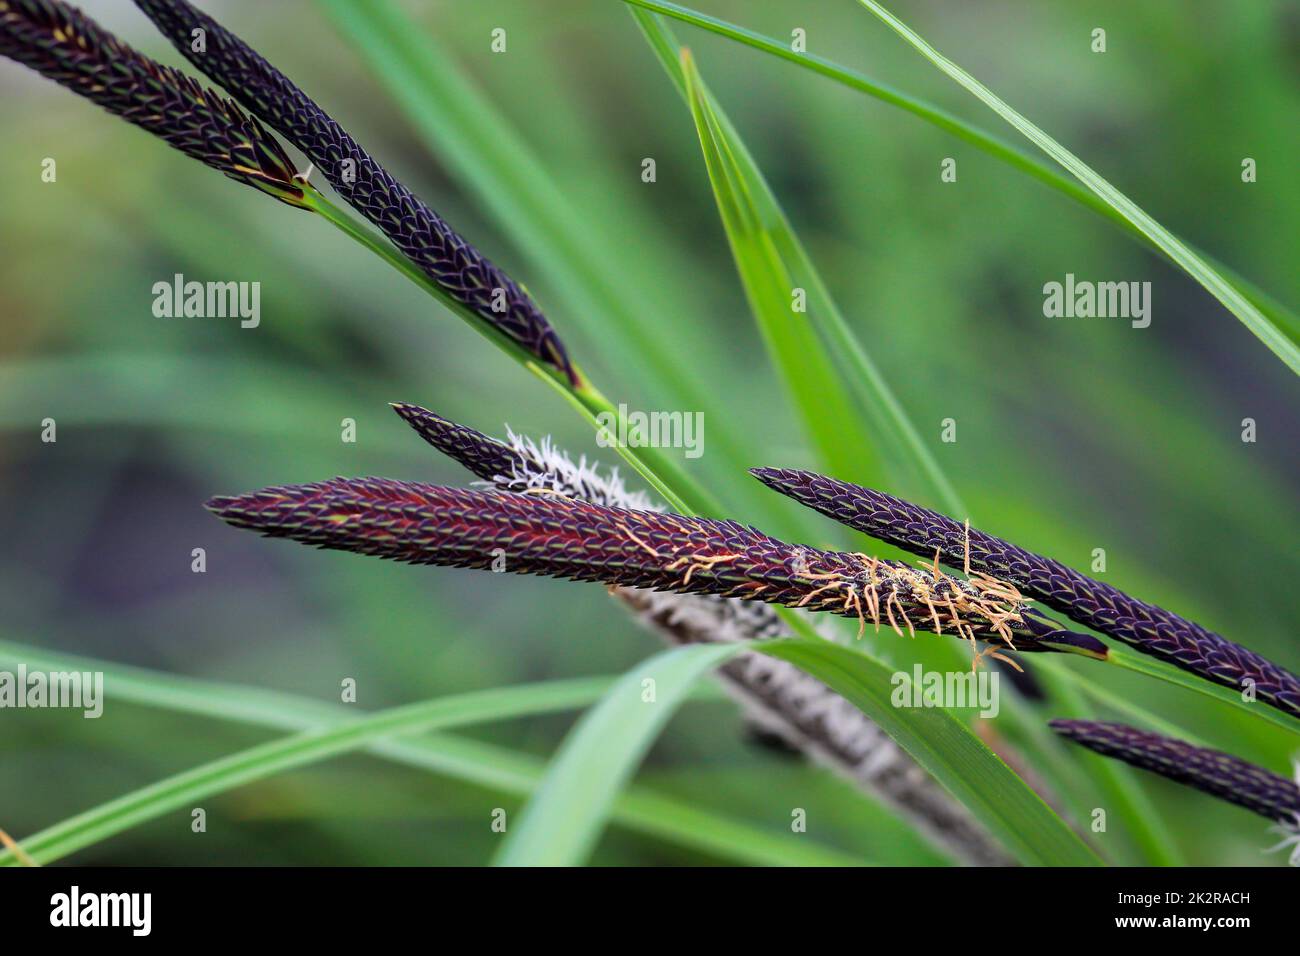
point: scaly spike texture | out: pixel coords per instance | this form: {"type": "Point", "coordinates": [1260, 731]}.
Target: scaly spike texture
{"type": "Point", "coordinates": [485, 457]}
{"type": "Point", "coordinates": [59, 41]}
{"type": "Point", "coordinates": [1212, 771]}
{"type": "Point", "coordinates": [560, 537]}
{"type": "Point", "coordinates": [775, 695]}
{"type": "Point", "coordinates": [420, 233]}
{"type": "Point", "coordinates": [1145, 627]}
{"type": "Point", "coordinates": [524, 465]}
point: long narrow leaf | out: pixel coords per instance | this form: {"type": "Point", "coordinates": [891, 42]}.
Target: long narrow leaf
{"type": "Point", "coordinates": [1149, 667]}
{"type": "Point", "coordinates": [994, 146]}
{"type": "Point", "coordinates": [816, 390]}
{"type": "Point", "coordinates": [947, 748]}
{"type": "Point", "coordinates": [286, 753]}
{"type": "Point", "coordinates": [1193, 264]}
{"type": "Point", "coordinates": [470, 761]}
{"type": "Point", "coordinates": [561, 823]}
{"type": "Point", "coordinates": [602, 751]}
{"type": "Point", "coordinates": [775, 248]}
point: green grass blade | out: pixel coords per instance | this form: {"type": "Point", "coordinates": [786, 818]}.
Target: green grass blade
{"type": "Point", "coordinates": [1141, 664]}
{"type": "Point", "coordinates": [1124, 707]}
{"type": "Point", "coordinates": [277, 756]}
{"type": "Point", "coordinates": [772, 261]}
{"type": "Point", "coordinates": [643, 810]}
{"type": "Point", "coordinates": [988, 143]}
{"type": "Point", "coordinates": [844, 407]}
{"type": "Point", "coordinates": [638, 808]}
{"type": "Point", "coordinates": [1119, 783]}
{"type": "Point", "coordinates": [947, 749]}
{"type": "Point", "coordinates": [1137, 819]}
{"type": "Point", "coordinates": [567, 814]}
{"type": "Point", "coordinates": [562, 821]}
{"type": "Point", "coordinates": [816, 389]}
{"type": "Point", "coordinates": [1195, 265]}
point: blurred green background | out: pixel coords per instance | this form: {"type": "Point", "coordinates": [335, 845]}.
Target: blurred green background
{"type": "Point", "coordinates": [1073, 434]}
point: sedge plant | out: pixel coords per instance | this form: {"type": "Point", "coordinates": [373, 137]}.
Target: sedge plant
{"type": "Point", "coordinates": [625, 548]}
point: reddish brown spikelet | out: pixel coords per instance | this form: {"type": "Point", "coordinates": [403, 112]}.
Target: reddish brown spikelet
{"type": "Point", "coordinates": [561, 537]}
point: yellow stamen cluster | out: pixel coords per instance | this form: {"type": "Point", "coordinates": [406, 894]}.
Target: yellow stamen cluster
{"type": "Point", "coordinates": [883, 591]}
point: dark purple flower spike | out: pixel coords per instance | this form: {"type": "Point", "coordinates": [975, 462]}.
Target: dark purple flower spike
{"type": "Point", "coordinates": [485, 457]}
{"type": "Point", "coordinates": [1145, 627]}
{"type": "Point", "coordinates": [420, 233]}
{"type": "Point", "coordinates": [1211, 771]}
{"type": "Point", "coordinates": [524, 465]}
{"type": "Point", "coordinates": [58, 41]}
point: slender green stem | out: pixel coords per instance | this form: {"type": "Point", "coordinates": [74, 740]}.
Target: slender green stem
{"type": "Point", "coordinates": [1122, 705]}
{"type": "Point", "coordinates": [592, 405]}
{"type": "Point", "coordinates": [585, 397]}
{"type": "Point", "coordinates": [286, 753]}
{"type": "Point", "coordinates": [1276, 339]}
{"type": "Point", "coordinates": [688, 493]}
{"type": "Point", "coordinates": [316, 201]}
